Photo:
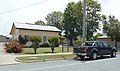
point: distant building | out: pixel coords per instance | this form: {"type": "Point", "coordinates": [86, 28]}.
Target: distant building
{"type": "Point", "coordinates": [27, 29]}
{"type": "Point", "coordinates": [108, 40]}
{"type": "Point", "coordinates": [5, 39]}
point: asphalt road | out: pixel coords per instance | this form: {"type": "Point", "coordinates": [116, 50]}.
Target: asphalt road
{"type": "Point", "coordinates": [101, 64]}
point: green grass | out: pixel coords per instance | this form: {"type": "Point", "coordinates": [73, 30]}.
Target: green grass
{"type": "Point", "coordinates": [118, 52]}
{"type": "Point", "coordinates": [28, 58]}
{"type": "Point", "coordinates": [46, 57]}
{"type": "Point", "coordinates": [44, 50]}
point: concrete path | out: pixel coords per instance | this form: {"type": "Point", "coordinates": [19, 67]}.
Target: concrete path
{"type": "Point", "coordinates": [6, 58]}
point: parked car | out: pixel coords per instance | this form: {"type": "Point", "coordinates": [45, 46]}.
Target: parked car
{"type": "Point", "coordinates": [93, 49]}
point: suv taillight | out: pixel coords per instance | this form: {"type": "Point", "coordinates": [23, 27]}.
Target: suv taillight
{"type": "Point", "coordinates": [85, 49]}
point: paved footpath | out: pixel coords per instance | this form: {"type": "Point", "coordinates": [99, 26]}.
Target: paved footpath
{"type": "Point", "coordinates": [6, 58]}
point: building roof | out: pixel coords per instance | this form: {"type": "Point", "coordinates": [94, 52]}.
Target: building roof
{"type": "Point", "coordinates": [30, 26]}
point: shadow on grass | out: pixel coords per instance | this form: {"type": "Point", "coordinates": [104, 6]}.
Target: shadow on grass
{"type": "Point", "coordinates": [49, 52]}
{"type": "Point", "coordinates": [30, 53]}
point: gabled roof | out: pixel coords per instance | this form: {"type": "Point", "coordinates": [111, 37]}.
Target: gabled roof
{"type": "Point", "coordinates": [30, 26]}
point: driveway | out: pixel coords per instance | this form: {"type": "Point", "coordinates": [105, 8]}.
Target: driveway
{"type": "Point", "coordinates": [6, 58]}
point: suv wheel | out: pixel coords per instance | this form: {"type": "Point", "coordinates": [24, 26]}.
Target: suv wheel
{"type": "Point", "coordinates": [113, 54]}
{"type": "Point", "coordinates": [93, 55]}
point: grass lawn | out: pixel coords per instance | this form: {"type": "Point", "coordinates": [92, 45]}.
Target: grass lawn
{"type": "Point", "coordinates": [64, 56]}
{"type": "Point", "coordinates": [118, 52]}
{"type": "Point", "coordinates": [44, 50]}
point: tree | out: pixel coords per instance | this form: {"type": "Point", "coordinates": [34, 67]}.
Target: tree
{"type": "Point", "coordinates": [35, 42]}
{"type": "Point", "coordinates": [55, 19]}
{"type": "Point", "coordinates": [40, 22]}
{"type": "Point", "coordinates": [104, 22]}
{"type": "Point", "coordinates": [112, 28]}
{"type": "Point", "coordinates": [23, 39]}
{"type": "Point", "coordinates": [93, 17]}
{"type": "Point", "coordinates": [78, 9]}
{"type": "Point", "coordinates": [73, 17]}
{"type": "Point", "coordinates": [78, 42]}
{"type": "Point", "coordinates": [70, 25]}
{"type": "Point", "coordinates": [54, 41]}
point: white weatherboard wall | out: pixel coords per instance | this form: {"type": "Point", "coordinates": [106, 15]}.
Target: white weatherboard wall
{"type": "Point", "coordinates": [33, 30]}
{"type": "Point", "coordinates": [38, 33]}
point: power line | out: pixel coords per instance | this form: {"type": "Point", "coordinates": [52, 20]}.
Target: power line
{"type": "Point", "coordinates": [23, 7]}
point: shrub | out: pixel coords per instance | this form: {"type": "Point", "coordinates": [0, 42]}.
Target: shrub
{"type": "Point", "coordinates": [54, 41]}
{"type": "Point", "coordinates": [78, 42]}
{"type": "Point", "coordinates": [62, 38]}
{"type": "Point", "coordinates": [35, 42]}
{"type": "Point", "coordinates": [23, 39]}
{"type": "Point", "coordinates": [13, 47]}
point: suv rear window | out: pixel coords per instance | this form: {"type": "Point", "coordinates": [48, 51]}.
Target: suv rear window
{"type": "Point", "coordinates": [87, 44]}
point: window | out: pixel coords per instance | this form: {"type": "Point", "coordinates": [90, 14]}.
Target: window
{"type": "Point", "coordinates": [94, 44]}
{"type": "Point", "coordinates": [105, 44]}
{"type": "Point", "coordinates": [87, 44]}
{"type": "Point", "coordinates": [44, 39]}
{"type": "Point", "coordinates": [99, 44]}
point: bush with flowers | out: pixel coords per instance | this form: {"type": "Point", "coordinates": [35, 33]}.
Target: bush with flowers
{"type": "Point", "coordinates": [13, 47]}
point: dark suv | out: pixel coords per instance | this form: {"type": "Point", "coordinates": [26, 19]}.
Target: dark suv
{"type": "Point", "coordinates": [92, 49]}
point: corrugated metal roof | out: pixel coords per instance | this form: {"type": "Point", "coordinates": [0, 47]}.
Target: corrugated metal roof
{"type": "Point", "coordinates": [35, 27]}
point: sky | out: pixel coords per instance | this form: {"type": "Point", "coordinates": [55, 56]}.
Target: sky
{"type": "Point", "coordinates": [39, 11]}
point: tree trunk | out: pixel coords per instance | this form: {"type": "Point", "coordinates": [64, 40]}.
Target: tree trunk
{"type": "Point", "coordinates": [71, 42]}
{"type": "Point", "coordinates": [52, 49]}
{"type": "Point", "coordinates": [35, 50]}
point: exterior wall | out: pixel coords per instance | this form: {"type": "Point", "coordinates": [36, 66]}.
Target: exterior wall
{"type": "Point", "coordinates": [16, 34]}
{"type": "Point", "coordinates": [38, 33]}
{"type": "Point", "coordinates": [108, 40]}
{"type": "Point", "coordinates": [2, 39]}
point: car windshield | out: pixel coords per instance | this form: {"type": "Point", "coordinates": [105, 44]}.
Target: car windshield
{"type": "Point", "coordinates": [88, 44]}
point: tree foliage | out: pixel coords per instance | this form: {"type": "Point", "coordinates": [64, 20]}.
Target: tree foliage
{"type": "Point", "coordinates": [55, 19]}
{"type": "Point", "coordinates": [97, 35]}
{"type": "Point", "coordinates": [70, 22]}
{"type": "Point", "coordinates": [23, 39]}
{"type": "Point", "coordinates": [93, 17]}
{"type": "Point", "coordinates": [78, 42]}
{"type": "Point", "coordinates": [112, 29]}
{"type": "Point", "coordinates": [35, 42]}
{"type": "Point", "coordinates": [40, 22]}
{"type": "Point", "coordinates": [54, 42]}
{"type": "Point", "coordinates": [73, 17]}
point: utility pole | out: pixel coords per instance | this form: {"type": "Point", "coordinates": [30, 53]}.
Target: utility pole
{"type": "Point", "coordinates": [84, 23]}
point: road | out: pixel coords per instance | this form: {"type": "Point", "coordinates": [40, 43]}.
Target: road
{"type": "Point", "coordinates": [101, 64]}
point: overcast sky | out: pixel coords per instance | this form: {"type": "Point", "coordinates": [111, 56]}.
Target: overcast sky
{"type": "Point", "coordinates": [39, 12]}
